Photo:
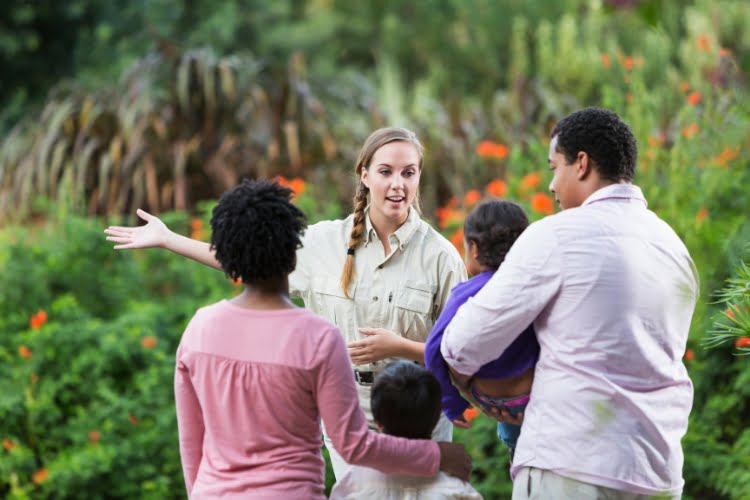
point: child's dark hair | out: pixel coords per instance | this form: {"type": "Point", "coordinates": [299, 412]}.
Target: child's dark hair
{"type": "Point", "coordinates": [257, 231]}
{"type": "Point", "coordinates": [494, 226]}
{"type": "Point", "coordinates": [405, 400]}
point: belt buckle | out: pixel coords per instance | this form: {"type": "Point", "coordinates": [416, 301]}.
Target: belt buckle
{"type": "Point", "coordinates": [363, 377]}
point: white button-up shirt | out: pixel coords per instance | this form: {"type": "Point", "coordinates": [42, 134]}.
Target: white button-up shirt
{"type": "Point", "coordinates": [611, 291]}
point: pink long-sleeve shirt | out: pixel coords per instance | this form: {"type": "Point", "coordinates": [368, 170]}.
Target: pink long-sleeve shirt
{"type": "Point", "coordinates": [251, 387]}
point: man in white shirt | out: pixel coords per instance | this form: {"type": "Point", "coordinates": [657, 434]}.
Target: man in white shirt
{"type": "Point", "coordinates": [610, 289]}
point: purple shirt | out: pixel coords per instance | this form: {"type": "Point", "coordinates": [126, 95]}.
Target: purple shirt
{"type": "Point", "coordinates": [251, 387]}
{"type": "Point", "coordinates": [521, 355]}
{"type": "Point", "coordinates": [611, 290]}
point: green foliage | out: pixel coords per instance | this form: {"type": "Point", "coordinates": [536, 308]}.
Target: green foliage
{"type": "Point", "coordinates": [199, 94]}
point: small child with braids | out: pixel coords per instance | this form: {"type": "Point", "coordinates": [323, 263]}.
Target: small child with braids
{"type": "Point", "coordinates": [503, 384]}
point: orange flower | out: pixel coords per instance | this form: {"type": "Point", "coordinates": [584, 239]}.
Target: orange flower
{"type": "Point", "coordinates": [34, 378]}
{"type": "Point", "coordinates": [628, 63]}
{"type": "Point", "coordinates": [628, 97]}
{"type": "Point", "coordinates": [38, 319]}
{"type": "Point", "coordinates": [8, 444]}
{"type": "Point", "coordinates": [281, 180]}
{"type": "Point", "coordinates": [457, 238]}
{"type": "Point", "coordinates": [727, 154]}
{"type": "Point", "coordinates": [703, 42]}
{"type": "Point", "coordinates": [724, 52]}
{"type": "Point", "coordinates": [489, 149]}
{"type": "Point", "coordinates": [148, 342]}
{"type": "Point", "coordinates": [453, 202]}
{"type": "Point", "coordinates": [497, 188]}
{"type": "Point", "coordinates": [684, 86]}
{"type": "Point", "coordinates": [196, 224]}
{"type": "Point", "coordinates": [298, 186]}
{"type": "Point", "coordinates": [694, 98]}
{"type": "Point", "coordinates": [447, 216]}
{"type": "Point", "coordinates": [94, 437]}
{"type": "Point", "coordinates": [470, 413]}
{"type": "Point", "coordinates": [690, 131]}
{"type": "Point", "coordinates": [40, 476]}
{"type": "Point", "coordinates": [531, 181]}
{"type": "Point", "coordinates": [472, 197]}
{"type": "Point", "coordinates": [689, 355]}
{"type": "Point", "coordinates": [542, 203]}
{"type": "Point", "coordinates": [606, 61]}
{"type": "Point", "coordinates": [24, 352]}
{"type": "Point", "coordinates": [133, 419]}
{"type": "Point", "coordinates": [701, 215]}
{"type": "Point", "coordinates": [730, 313]}
{"type": "Point", "coordinates": [742, 343]}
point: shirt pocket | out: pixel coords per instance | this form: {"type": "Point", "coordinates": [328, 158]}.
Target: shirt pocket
{"type": "Point", "coordinates": [414, 302]}
{"type": "Point", "coordinates": [331, 303]}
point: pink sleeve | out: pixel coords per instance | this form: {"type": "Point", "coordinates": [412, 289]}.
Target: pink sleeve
{"type": "Point", "coordinates": [346, 424]}
{"type": "Point", "coordinates": [189, 421]}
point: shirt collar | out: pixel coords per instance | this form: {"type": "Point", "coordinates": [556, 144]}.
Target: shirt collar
{"type": "Point", "coordinates": [403, 234]}
{"type": "Point", "coordinates": [615, 191]}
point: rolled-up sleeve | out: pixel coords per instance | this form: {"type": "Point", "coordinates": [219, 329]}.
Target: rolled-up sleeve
{"type": "Point", "coordinates": [489, 322]}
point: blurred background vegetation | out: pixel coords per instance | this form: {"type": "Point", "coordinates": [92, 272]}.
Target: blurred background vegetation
{"type": "Point", "coordinates": [164, 104]}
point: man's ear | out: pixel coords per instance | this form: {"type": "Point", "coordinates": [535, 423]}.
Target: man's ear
{"type": "Point", "coordinates": [585, 165]}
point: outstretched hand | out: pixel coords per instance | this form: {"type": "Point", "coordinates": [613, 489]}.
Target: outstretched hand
{"type": "Point", "coordinates": [153, 234]}
{"type": "Point", "coordinates": [377, 345]}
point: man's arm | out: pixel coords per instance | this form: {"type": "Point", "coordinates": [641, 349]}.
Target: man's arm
{"type": "Point", "coordinates": [489, 322]}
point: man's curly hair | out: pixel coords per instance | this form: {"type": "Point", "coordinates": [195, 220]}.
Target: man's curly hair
{"type": "Point", "coordinates": [257, 231]}
{"type": "Point", "coordinates": [494, 226]}
{"type": "Point", "coordinates": [602, 135]}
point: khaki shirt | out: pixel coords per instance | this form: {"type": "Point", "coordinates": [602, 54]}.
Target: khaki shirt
{"type": "Point", "coordinates": [403, 292]}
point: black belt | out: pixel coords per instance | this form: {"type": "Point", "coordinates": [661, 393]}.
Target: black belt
{"type": "Point", "coordinates": [364, 378]}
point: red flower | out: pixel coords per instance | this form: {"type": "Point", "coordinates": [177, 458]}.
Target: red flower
{"type": "Point", "coordinates": [743, 343]}
{"type": "Point", "coordinates": [38, 319]}
{"type": "Point", "coordinates": [470, 413]}
{"type": "Point", "coordinates": [24, 352]}
{"type": "Point", "coordinates": [298, 186]}
{"type": "Point", "coordinates": [703, 42]}
{"type": "Point", "coordinates": [701, 215]}
{"type": "Point", "coordinates": [542, 203]}
{"type": "Point", "coordinates": [94, 437]}
{"type": "Point", "coordinates": [148, 342]}
{"type": "Point", "coordinates": [497, 188]}
{"type": "Point", "coordinates": [606, 61]}
{"type": "Point", "coordinates": [689, 355]}
{"type": "Point", "coordinates": [694, 98]}
{"type": "Point", "coordinates": [40, 476]}
{"type": "Point", "coordinates": [8, 444]}
{"type": "Point", "coordinates": [489, 149]}
{"type": "Point", "coordinates": [531, 181]}
{"type": "Point", "coordinates": [457, 238]}
{"type": "Point", "coordinates": [472, 197]}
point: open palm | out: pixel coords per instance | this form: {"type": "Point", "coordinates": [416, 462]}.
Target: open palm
{"type": "Point", "coordinates": [153, 234]}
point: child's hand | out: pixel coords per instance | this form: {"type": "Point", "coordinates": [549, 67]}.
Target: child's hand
{"type": "Point", "coordinates": [504, 416]}
{"type": "Point", "coordinates": [462, 423]}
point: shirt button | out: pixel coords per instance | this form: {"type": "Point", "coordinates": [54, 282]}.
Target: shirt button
{"type": "Point", "coordinates": [380, 266]}
{"type": "Point", "coordinates": [375, 299]}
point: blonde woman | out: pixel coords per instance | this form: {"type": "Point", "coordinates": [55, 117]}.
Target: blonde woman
{"type": "Point", "coordinates": [382, 275]}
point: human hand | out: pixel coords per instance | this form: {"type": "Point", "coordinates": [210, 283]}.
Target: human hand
{"type": "Point", "coordinates": [154, 234]}
{"type": "Point", "coordinates": [454, 460]}
{"type": "Point", "coordinates": [462, 423]}
{"type": "Point", "coordinates": [379, 344]}
{"type": "Point", "coordinates": [504, 416]}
